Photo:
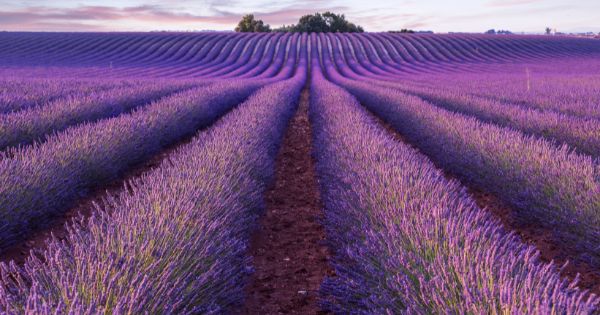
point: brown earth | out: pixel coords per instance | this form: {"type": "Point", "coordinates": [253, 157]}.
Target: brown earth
{"type": "Point", "coordinates": [56, 225]}
{"type": "Point", "coordinates": [288, 250]}
{"type": "Point", "coordinates": [550, 248]}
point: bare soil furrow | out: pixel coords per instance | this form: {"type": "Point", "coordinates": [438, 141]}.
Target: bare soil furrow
{"type": "Point", "coordinates": [288, 250]}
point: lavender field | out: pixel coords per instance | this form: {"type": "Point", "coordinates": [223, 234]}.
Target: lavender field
{"type": "Point", "coordinates": [454, 173]}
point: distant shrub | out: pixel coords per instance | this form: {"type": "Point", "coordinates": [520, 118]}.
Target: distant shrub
{"type": "Point", "coordinates": [327, 22]}
{"type": "Point", "coordinates": [249, 24]}
{"type": "Point", "coordinates": [409, 31]}
{"type": "Point", "coordinates": [499, 32]}
{"type": "Point", "coordinates": [404, 30]}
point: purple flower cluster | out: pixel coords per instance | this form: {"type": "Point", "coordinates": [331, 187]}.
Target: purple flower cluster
{"type": "Point", "coordinates": [43, 179]}
{"type": "Point", "coordinates": [19, 94]}
{"type": "Point", "coordinates": [569, 87]}
{"type": "Point", "coordinates": [407, 240]}
{"type": "Point", "coordinates": [554, 186]}
{"type": "Point", "coordinates": [175, 241]}
{"type": "Point", "coordinates": [580, 133]}
{"type": "Point", "coordinates": [26, 126]}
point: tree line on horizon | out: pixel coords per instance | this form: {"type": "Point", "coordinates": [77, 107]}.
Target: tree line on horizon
{"type": "Point", "coordinates": [327, 22]}
{"type": "Point", "coordinates": [330, 22]}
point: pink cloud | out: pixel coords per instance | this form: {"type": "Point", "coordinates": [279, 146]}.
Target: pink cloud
{"type": "Point", "coordinates": [85, 17]}
{"type": "Point", "coordinates": [287, 15]}
{"type": "Point", "coordinates": [92, 17]}
{"type": "Point", "coordinates": [39, 18]}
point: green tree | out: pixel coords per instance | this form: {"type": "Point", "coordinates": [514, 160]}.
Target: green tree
{"type": "Point", "coordinates": [249, 24]}
{"type": "Point", "coordinates": [338, 23]}
{"type": "Point", "coordinates": [322, 23]}
{"type": "Point", "coordinates": [312, 23]}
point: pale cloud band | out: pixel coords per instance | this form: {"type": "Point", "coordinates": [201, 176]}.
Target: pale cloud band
{"type": "Point", "coordinates": [374, 15]}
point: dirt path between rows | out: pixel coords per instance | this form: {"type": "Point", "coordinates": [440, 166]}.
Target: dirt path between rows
{"type": "Point", "coordinates": [288, 250]}
{"type": "Point", "coordinates": [530, 233]}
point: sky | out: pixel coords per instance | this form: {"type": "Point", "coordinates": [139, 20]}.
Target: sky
{"type": "Point", "coordinates": [530, 16]}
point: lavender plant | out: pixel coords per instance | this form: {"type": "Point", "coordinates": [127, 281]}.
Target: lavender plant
{"type": "Point", "coordinates": [582, 134]}
{"type": "Point", "coordinates": [554, 186]}
{"type": "Point", "coordinates": [41, 180]}
{"type": "Point", "coordinates": [19, 94]}
{"type": "Point", "coordinates": [175, 241]}
{"type": "Point", "coordinates": [406, 240]}
{"type": "Point", "coordinates": [26, 126]}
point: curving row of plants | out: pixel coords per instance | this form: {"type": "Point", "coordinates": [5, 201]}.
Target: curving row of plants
{"type": "Point", "coordinates": [175, 240]}
{"type": "Point", "coordinates": [43, 179]}
{"type": "Point", "coordinates": [406, 239]}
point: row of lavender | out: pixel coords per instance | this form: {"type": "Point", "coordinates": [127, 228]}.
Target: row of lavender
{"type": "Point", "coordinates": [18, 94]}
{"type": "Point", "coordinates": [180, 54]}
{"type": "Point", "coordinates": [570, 87]}
{"type": "Point", "coordinates": [549, 184]}
{"type": "Point", "coordinates": [40, 180]}
{"type": "Point", "coordinates": [40, 107]}
{"type": "Point", "coordinates": [408, 240]}
{"type": "Point", "coordinates": [86, 139]}
{"type": "Point", "coordinates": [114, 261]}
{"type": "Point", "coordinates": [26, 126]}
{"type": "Point", "coordinates": [555, 122]}
{"type": "Point", "coordinates": [240, 57]}
{"type": "Point", "coordinates": [46, 178]}
{"type": "Point", "coordinates": [175, 241]}
{"type": "Point", "coordinates": [580, 133]}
